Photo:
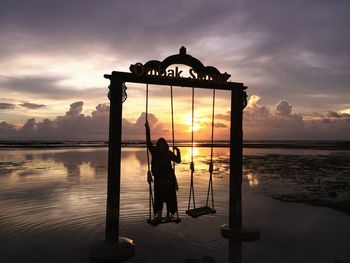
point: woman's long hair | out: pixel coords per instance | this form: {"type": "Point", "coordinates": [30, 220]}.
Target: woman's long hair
{"type": "Point", "coordinates": [162, 140]}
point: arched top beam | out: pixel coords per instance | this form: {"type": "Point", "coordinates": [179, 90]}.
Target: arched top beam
{"type": "Point", "coordinates": [183, 59]}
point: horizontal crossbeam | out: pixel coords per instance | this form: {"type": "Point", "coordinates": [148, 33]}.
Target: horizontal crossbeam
{"type": "Point", "coordinates": [181, 82]}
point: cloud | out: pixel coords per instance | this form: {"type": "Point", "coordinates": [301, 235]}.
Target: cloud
{"type": "Point", "coordinates": [75, 110]}
{"type": "Point", "coordinates": [7, 130]}
{"type": "Point", "coordinates": [29, 128]}
{"type": "Point", "coordinates": [260, 122]}
{"type": "Point", "coordinates": [49, 87]}
{"type": "Point", "coordinates": [42, 27]}
{"type": "Point", "coordinates": [7, 106]}
{"type": "Point", "coordinates": [30, 105]}
{"type": "Point", "coordinates": [221, 116]}
{"type": "Point", "coordinates": [220, 125]}
{"type": "Point", "coordinates": [337, 115]}
{"type": "Point", "coordinates": [280, 123]}
{"type": "Point", "coordinates": [283, 108]}
{"type": "Point", "coordinates": [72, 126]}
{"type": "Point", "coordinates": [137, 130]}
{"type": "Point", "coordinates": [76, 126]}
{"type": "Point", "coordinates": [294, 50]}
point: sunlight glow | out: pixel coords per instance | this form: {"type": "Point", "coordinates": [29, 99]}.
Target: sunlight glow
{"type": "Point", "coordinates": [196, 127]}
{"type": "Point", "coordinates": [195, 152]}
{"type": "Point", "coordinates": [345, 111]}
{"type": "Point", "coordinates": [252, 179]}
{"type": "Point", "coordinates": [187, 120]}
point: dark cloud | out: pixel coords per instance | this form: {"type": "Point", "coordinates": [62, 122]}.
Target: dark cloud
{"type": "Point", "coordinates": [137, 130]}
{"type": "Point", "coordinates": [225, 117]}
{"type": "Point", "coordinates": [334, 114]}
{"type": "Point", "coordinates": [300, 51]}
{"type": "Point", "coordinates": [7, 130]}
{"type": "Point", "coordinates": [295, 50]}
{"type": "Point", "coordinates": [283, 108]}
{"type": "Point", "coordinates": [7, 106]}
{"type": "Point", "coordinates": [33, 106]}
{"type": "Point", "coordinates": [29, 128]}
{"type": "Point", "coordinates": [121, 24]}
{"type": "Point", "coordinates": [337, 115]}
{"type": "Point", "coordinates": [50, 87]}
{"type": "Point", "coordinates": [220, 125]}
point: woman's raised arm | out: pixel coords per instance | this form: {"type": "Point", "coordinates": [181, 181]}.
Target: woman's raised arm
{"type": "Point", "coordinates": [148, 136]}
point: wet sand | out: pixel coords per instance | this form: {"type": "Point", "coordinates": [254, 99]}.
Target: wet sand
{"type": "Point", "coordinates": [52, 206]}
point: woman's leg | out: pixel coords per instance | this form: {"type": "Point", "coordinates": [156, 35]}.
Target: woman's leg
{"type": "Point", "coordinates": [172, 200]}
{"type": "Point", "coordinates": [158, 202]}
{"type": "Point", "coordinates": [158, 206]}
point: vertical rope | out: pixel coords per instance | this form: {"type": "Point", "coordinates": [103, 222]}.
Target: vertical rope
{"type": "Point", "coordinates": [192, 163]}
{"type": "Point", "coordinates": [172, 121]}
{"type": "Point", "coordinates": [173, 132]}
{"type": "Point", "coordinates": [148, 165]}
{"type": "Point", "coordinates": [211, 168]}
{"type": "Point", "coordinates": [192, 125]}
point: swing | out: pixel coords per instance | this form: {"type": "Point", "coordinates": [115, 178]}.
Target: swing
{"type": "Point", "coordinates": [151, 219]}
{"type": "Point", "coordinates": [204, 210]}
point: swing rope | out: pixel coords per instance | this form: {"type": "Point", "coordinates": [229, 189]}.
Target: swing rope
{"type": "Point", "coordinates": [172, 121]}
{"type": "Point", "coordinates": [204, 210]}
{"type": "Point", "coordinates": [173, 135]}
{"type": "Point", "coordinates": [149, 175]}
{"type": "Point", "coordinates": [192, 163]}
{"type": "Point", "coordinates": [211, 168]}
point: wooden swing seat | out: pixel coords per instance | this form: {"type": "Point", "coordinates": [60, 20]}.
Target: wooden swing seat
{"type": "Point", "coordinates": [164, 220]}
{"type": "Point", "coordinates": [200, 211]}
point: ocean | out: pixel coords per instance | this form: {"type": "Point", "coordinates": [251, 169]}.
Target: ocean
{"type": "Point", "coordinates": [53, 202]}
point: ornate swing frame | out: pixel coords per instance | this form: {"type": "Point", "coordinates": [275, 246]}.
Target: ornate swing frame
{"type": "Point", "coordinates": [205, 77]}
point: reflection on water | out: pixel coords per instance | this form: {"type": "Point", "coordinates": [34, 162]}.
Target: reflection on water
{"type": "Point", "coordinates": [53, 201]}
{"type": "Point", "coordinates": [251, 178]}
{"type": "Point", "coordinates": [53, 195]}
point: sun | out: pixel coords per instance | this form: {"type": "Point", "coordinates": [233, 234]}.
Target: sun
{"type": "Point", "coordinates": [187, 120]}
{"type": "Point", "coordinates": [196, 127]}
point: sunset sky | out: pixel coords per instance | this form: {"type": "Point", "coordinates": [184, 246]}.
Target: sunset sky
{"type": "Point", "coordinates": [294, 56]}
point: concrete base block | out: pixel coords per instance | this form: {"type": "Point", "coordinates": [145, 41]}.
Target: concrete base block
{"type": "Point", "coordinates": [244, 234]}
{"type": "Point", "coordinates": [110, 252]}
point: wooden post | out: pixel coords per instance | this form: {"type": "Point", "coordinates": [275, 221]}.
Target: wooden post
{"type": "Point", "coordinates": [235, 229]}
{"type": "Point", "coordinates": [235, 251]}
{"type": "Point", "coordinates": [114, 248]}
{"type": "Point", "coordinates": [236, 145]}
{"type": "Point", "coordinates": [114, 153]}
{"type": "Point", "coordinates": [236, 156]}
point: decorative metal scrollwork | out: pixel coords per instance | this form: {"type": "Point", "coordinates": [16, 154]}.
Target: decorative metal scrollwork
{"type": "Point", "coordinates": [245, 102]}
{"type": "Point", "coordinates": [198, 70]}
{"type": "Point", "coordinates": [124, 94]}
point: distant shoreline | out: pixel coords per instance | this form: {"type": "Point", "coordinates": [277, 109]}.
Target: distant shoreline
{"type": "Point", "coordinates": [268, 144]}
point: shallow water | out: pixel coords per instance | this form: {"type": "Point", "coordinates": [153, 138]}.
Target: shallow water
{"type": "Point", "coordinates": [52, 206]}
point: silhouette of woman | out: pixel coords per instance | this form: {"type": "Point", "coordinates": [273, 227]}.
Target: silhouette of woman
{"type": "Point", "coordinates": [165, 184]}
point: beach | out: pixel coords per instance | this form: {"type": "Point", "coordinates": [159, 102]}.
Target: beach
{"type": "Point", "coordinates": [53, 205]}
